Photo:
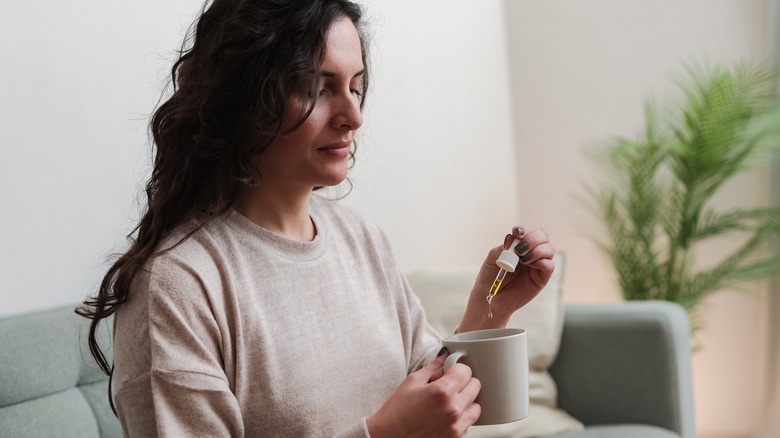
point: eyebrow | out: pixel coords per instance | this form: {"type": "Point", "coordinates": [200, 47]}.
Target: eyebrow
{"type": "Point", "coordinates": [330, 74]}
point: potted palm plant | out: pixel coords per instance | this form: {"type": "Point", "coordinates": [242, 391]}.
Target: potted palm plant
{"type": "Point", "coordinates": [655, 198]}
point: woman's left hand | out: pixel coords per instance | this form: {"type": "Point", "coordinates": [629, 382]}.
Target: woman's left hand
{"type": "Point", "coordinates": [518, 288]}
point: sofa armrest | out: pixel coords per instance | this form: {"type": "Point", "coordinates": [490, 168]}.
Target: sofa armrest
{"type": "Point", "coordinates": [627, 362]}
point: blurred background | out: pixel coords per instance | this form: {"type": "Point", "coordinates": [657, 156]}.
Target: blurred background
{"type": "Point", "coordinates": [479, 118]}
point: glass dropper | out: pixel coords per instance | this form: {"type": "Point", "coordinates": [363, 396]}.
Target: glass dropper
{"type": "Point", "coordinates": [507, 262]}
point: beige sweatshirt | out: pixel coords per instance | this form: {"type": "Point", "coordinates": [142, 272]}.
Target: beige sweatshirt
{"type": "Point", "coordinates": [241, 332]}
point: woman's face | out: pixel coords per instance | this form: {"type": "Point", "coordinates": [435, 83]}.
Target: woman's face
{"type": "Point", "coordinates": [316, 153]}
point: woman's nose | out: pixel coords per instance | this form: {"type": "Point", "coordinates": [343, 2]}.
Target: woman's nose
{"type": "Point", "coordinates": [348, 114]}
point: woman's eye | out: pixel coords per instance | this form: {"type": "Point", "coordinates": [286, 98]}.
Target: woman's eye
{"type": "Point", "coordinates": [321, 93]}
{"type": "Point", "coordinates": [356, 92]}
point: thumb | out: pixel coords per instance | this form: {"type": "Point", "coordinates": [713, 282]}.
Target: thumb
{"type": "Point", "coordinates": [434, 370]}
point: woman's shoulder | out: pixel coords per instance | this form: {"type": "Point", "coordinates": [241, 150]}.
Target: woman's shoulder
{"type": "Point", "coordinates": [191, 245]}
{"type": "Point", "coordinates": [188, 262]}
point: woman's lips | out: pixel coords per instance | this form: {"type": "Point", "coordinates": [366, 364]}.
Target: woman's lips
{"type": "Point", "coordinates": [340, 149]}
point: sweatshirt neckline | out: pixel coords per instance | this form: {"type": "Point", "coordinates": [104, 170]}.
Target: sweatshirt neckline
{"type": "Point", "coordinates": [285, 247]}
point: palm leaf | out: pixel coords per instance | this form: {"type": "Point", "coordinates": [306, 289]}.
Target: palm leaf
{"type": "Point", "coordinates": [655, 198]}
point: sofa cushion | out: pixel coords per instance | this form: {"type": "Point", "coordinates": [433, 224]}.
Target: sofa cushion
{"type": "Point", "coordinates": [49, 384]}
{"type": "Point", "coordinates": [40, 356]}
{"type": "Point", "coordinates": [444, 293]}
{"type": "Point", "coordinates": [63, 414]}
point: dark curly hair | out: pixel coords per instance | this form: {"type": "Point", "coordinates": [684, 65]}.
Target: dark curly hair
{"type": "Point", "coordinates": [245, 60]}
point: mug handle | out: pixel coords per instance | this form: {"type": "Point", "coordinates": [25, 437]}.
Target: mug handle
{"type": "Point", "coordinates": [452, 359]}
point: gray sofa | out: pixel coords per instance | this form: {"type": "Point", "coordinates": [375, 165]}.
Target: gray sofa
{"type": "Point", "coordinates": [49, 384]}
{"type": "Point", "coordinates": [623, 369]}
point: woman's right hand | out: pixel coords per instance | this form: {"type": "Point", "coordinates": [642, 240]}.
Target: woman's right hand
{"type": "Point", "coordinates": [429, 403]}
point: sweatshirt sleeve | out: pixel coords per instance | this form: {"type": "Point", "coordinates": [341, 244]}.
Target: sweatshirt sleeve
{"type": "Point", "coordinates": [422, 341]}
{"type": "Point", "coordinates": [426, 341]}
{"type": "Point", "coordinates": [170, 380]}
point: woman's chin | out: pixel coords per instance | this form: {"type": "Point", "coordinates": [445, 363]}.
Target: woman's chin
{"type": "Point", "coordinates": [336, 181]}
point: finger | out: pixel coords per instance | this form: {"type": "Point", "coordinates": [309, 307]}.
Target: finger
{"type": "Point", "coordinates": [470, 416]}
{"type": "Point", "coordinates": [455, 378]}
{"type": "Point", "coordinates": [540, 270]}
{"type": "Point", "coordinates": [428, 372]}
{"type": "Point", "coordinates": [470, 410]}
{"type": "Point", "coordinates": [544, 268]}
{"type": "Point", "coordinates": [508, 239]}
{"type": "Point", "coordinates": [439, 363]}
{"type": "Point", "coordinates": [517, 233]}
{"type": "Point", "coordinates": [470, 392]}
{"type": "Point", "coordinates": [540, 252]}
{"type": "Point", "coordinates": [531, 240]}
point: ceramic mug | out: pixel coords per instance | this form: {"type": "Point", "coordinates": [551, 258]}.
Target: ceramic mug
{"type": "Point", "coordinates": [499, 359]}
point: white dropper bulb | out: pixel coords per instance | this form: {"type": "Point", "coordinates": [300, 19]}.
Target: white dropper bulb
{"type": "Point", "coordinates": [509, 259]}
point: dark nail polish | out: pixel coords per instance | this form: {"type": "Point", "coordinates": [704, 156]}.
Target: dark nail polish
{"type": "Point", "coordinates": [526, 257]}
{"type": "Point", "coordinates": [521, 247]}
{"type": "Point", "coordinates": [442, 351]}
{"type": "Point", "coordinates": [519, 230]}
{"type": "Point", "coordinates": [508, 240]}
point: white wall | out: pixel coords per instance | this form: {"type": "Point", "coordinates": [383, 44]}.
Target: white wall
{"type": "Point", "coordinates": [79, 79]}
{"type": "Point", "coordinates": [580, 73]}
{"type": "Point", "coordinates": [435, 168]}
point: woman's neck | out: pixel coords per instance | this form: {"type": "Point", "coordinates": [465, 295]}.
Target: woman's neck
{"type": "Point", "coordinates": [281, 212]}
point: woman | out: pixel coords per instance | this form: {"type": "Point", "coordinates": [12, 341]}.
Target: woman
{"type": "Point", "coordinates": [249, 305]}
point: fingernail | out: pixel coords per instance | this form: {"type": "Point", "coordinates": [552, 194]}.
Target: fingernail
{"type": "Point", "coordinates": [519, 230]}
{"type": "Point", "coordinates": [526, 257]}
{"type": "Point", "coordinates": [508, 240]}
{"type": "Point", "coordinates": [442, 351]}
{"type": "Point", "coordinates": [521, 247]}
